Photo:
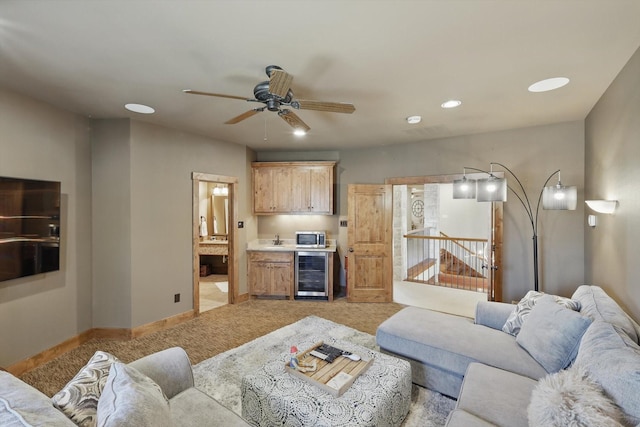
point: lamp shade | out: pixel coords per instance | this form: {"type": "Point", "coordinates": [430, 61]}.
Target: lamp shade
{"type": "Point", "coordinates": [464, 188]}
{"type": "Point", "coordinates": [491, 189]}
{"type": "Point", "coordinates": [560, 197]}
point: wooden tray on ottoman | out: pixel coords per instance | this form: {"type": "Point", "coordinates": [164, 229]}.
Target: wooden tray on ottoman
{"type": "Point", "coordinates": [343, 371]}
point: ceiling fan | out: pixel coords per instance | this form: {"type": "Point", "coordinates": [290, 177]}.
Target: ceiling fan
{"type": "Point", "coordinates": [275, 94]}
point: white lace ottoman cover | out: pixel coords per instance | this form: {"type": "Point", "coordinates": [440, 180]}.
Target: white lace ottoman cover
{"type": "Point", "coordinates": [379, 397]}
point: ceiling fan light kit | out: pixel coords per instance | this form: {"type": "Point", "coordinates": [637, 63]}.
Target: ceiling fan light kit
{"type": "Point", "coordinates": [275, 94]}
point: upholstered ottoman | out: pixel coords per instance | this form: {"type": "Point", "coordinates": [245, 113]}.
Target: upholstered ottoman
{"type": "Point", "coordinates": [381, 396]}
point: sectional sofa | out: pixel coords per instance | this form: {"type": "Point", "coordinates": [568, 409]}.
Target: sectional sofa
{"type": "Point", "coordinates": [155, 390]}
{"type": "Point", "coordinates": [545, 361]}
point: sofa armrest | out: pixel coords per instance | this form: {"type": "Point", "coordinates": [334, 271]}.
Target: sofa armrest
{"type": "Point", "coordinates": [170, 369]}
{"type": "Point", "coordinates": [493, 314]}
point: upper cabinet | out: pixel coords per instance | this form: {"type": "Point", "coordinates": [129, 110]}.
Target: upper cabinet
{"type": "Point", "coordinates": [293, 187]}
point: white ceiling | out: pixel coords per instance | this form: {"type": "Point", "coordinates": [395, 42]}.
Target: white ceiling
{"type": "Point", "coordinates": [390, 58]}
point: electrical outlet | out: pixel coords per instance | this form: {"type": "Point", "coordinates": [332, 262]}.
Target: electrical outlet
{"type": "Point", "coordinates": [176, 298]}
{"type": "Point", "coordinates": [343, 223]}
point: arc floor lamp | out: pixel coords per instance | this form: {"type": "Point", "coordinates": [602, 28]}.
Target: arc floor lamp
{"type": "Point", "coordinates": [494, 189]}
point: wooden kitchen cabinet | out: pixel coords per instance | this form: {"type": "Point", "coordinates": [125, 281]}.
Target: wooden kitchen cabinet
{"type": "Point", "coordinates": [293, 187]}
{"type": "Point", "coordinates": [269, 190]}
{"type": "Point", "coordinates": [271, 274]}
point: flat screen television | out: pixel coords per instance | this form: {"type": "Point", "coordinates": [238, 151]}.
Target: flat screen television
{"type": "Point", "coordinates": [29, 227]}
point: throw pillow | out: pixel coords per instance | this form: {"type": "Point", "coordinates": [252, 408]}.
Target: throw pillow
{"type": "Point", "coordinates": [78, 400]}
{"type": "Point", "coordinates": [523, 308]}
{"type": "Point", "coordinates": [552, 334]}
{"type": "Point", "coordinates": [612, 360]}
{"type": "Point", "coordinates": [130, 398]}
{"type": "Point", "coordinates": [570, 398]}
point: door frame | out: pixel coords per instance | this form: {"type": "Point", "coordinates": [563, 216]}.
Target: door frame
{"type": "Point", "coordinates": [495, 293]}
{"type": "Point", "coordinates": [232, 234]}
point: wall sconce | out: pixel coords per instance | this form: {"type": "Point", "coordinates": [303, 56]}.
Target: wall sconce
{"type": "Point", "coordinates": [603, 206]}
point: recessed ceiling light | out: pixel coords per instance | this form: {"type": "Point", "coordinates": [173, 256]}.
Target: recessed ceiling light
{"type": "Point", "coordinates": [548, 84]}
{"type": "Point", "coordinates": [452, 103]}
{"type": "Point", "coordinates": [412, 120]}
{"type": "Point", "coordinates": [140, 108]}
{"type": "Point", "coordinates": [299, 132]}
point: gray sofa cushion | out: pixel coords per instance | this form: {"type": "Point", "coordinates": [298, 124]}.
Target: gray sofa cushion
{"type": "Point", "coordinates": [22, 405]}
{"type": "Point", "coordinates": [460, 418]}
{"type": "Point", "coordinates": [597, 305]}
{"type": "Point", "coordinates": [612, 360]}
{"type": "Point", "coordinates": [551, 334]}
{"type": "Point", "coordinates": [452, 342]}
{"type": "Point", "coordinates": [132, 398]}
{"type": "Point", "coordinates": [496, 396]}
{"type": "Point", "coordinates": [193, 407]}
{"type": "Point", "coordinates": [523, 308]}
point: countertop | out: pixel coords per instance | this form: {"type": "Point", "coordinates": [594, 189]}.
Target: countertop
{"type": "Point", "coordinates": [288, 245]}
{"type": "Point", "coordinates": [214, 242]}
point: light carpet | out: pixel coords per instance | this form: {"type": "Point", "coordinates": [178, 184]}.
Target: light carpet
{"type": "Point", "coordinates": [221, 375]}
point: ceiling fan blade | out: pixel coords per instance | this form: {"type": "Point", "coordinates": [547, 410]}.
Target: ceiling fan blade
{"type": "Point", "coordinates": [293, 120]}
{"type": "Point", "coordinates": [243, 116]}
{"type": "Point", "coordinates": [220, 95]}
{"type": "Point", "coordinates": [333, 107]}
{"type": "Point", "coordinates": [279, 83]}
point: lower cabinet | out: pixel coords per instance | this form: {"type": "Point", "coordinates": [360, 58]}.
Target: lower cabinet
{"type": "Point", "coordinates": [271, 274]}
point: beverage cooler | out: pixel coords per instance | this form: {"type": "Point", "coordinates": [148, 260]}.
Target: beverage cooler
{"type": "Point", "coordinates": [312, 275]}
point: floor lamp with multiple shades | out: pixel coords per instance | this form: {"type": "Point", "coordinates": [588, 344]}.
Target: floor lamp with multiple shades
{"type": "Point", "coordinates": [494, 189]}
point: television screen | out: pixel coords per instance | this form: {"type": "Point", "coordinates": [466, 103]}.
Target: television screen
{"type": "Point", "coordinates": [29, 227]}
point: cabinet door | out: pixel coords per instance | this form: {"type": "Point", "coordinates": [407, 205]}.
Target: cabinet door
{"type": "Point", "coordinates": [259, 278]}
{"type": "Point", "coordinates": [262, 190]}
{"type": "Point", "coordinates": [300, 201]}
{"type": "Point", "coordinates": [281, 189]}
{"type": "Point", "coordinates": [281, 279]}
{"type": "Point", "coordinates": [320, 189]}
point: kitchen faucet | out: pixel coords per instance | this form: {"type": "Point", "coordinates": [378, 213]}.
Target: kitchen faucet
{"type": "Point", "coordinates": [277, 242]}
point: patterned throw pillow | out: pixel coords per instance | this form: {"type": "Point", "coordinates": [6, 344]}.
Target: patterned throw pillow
{"type": "Point", "coordinates": [516, 318]}
{"type": "Point", "coordinates": [78, 400]}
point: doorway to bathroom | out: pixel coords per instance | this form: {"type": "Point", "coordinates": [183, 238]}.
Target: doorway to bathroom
{"type": "Point", "coordinates": [215, 281]}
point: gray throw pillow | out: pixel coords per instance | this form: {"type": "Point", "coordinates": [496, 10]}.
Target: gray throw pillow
{"type": "Point", "coordinates": [78, 400]}
{"type": "Point", "coordinates": [612, 360]}
{"type": "Point", "coordinates": [552, 333]}
{"type": "Point", "coordinates": [130, 398]}
{"type": "Point", "coordinates": [523, 308]}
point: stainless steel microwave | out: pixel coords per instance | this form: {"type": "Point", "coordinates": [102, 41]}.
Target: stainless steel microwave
{"type": "Point", "coordinates": [311, 239]}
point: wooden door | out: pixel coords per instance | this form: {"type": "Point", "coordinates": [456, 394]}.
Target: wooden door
{"type": "Point", "coordinates": [370, 273]}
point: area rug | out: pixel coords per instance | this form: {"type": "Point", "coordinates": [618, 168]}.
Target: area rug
{"type": "Point", "coordinates": [221, 375]}
{"type": "Point", "coordinates": [223, 286]}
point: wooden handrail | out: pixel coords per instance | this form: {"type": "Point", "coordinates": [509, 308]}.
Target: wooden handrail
{"type": "Point", "coordinates": [453, 239]}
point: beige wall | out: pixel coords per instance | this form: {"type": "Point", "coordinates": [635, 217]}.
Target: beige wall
{"type": "Point", "coordinates": [42, 142]}
{"type": "Point", "coordinates": [532, 153]}
{"type": "Point", "coordinates": [155, 239]}
{"type": "Point", "coordinates": [612, 153]}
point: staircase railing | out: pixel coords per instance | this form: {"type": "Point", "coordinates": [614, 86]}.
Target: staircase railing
{"type": "Point", "coordinates": [452, 262]}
